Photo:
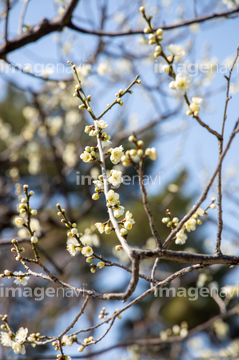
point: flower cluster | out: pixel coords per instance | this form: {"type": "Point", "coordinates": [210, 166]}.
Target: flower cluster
{"type": "Point", "coordinates": [152, 153]}
{"type": "Point", "coordinates": [76, 241]}
{"type": "Point", "coordinates": [190, 224]}
{"type": "Point", "coordinates": [127, 223]}
{"type": "Point", "coordinates": [194, 106]}
{"type": "Point", "coordinates": [182, 80]}
{"type": "Point", "coordinates": [99, 187]}
{"type": "Point", "coordinates": [135, 155]}
{"type": "Point", "coordinates": [103, 228]}
{"type": "Point", "coordinates": [89, 154]}
{"type": "Point", "coordinates": [15, 341]}
{"type": "Point", "coordinates": [180, 330]}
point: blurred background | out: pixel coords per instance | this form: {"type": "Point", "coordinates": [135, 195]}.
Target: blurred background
{"type": "Point", "coordinates": [42, 137]}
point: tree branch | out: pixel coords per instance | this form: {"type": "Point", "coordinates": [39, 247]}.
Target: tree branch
{"type": "Point", "coordinates": [164, 27]}
{"type": "Point", "coordinates": [45, 27]}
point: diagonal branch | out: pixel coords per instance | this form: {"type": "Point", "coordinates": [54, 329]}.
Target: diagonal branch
{"type": "Point", "coordinates": [204, 193]}
{"type": "Point", "coordinates": [220, 145]}
{"type": "Point", "coordinates": [164, 27]}
{"type": "Point", "coordinates": [45, 27]}
{"type": "Point", "coordinates": [146, 206]}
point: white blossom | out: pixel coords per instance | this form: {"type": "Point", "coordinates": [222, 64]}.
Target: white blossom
{"type": "Point", "coordinates": [86, 157]}
{"type": "Point", "coordinates": [116, 178]}
{"type": "Point", "coordinates": [100, 227]}
{"type": "Point", "coordinates": [72, 246]}
{"type": "Point", "coordinates": [112, 198]}
{"type": "Point", "coordinates": [191, 224]}
{"type": "Point", "coordinates": [119, 211]}
{"type": "Point", "coordinates": [116, 154]}
{"type": "Point", "coordinates": [6, 339]}
{"type": "Point", "coordinates": [152, 153]}
{"type": "Point", "coordinates": [90, 240]}
{"type": "Point", "coordinates": [194, 106]}
{"type": "Point", "coordinates": [19, 280]}
{"type": "Point", "coordinates": [199, 212]}
{"type": "Point", "coordinates": [182, 83]}
{"type": "Point", "coordinates": [87, 251]}
{"type": "Point", "coordinates": [176, 50]}
{"type": "Point", "coordinates": [181, 238]}
{"type": "Point", "coordinates": [128, 225]}
{"type": "Point", "coordinates": [21, 335]}
{"type": "Point", "coordinates": [106, 143]}
{"type": "Point", "coordinates": [18, 348]}
{"type": "Point", "coordinates": [129, 217]}
{"type": "Point", "coordinates": [19, 221]}
{"type": "Point", "coordinates": [98, 184]}
{"type": "Point", "coordinates": [101, 124]}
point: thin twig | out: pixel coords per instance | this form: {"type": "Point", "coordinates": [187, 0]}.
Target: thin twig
{"type": "Point", "coordinates": [7, 4]}
{"type": "Point", "coordinates": [24, 9]}
{"type": "Point", "coordinates": [219, 175]}
{"type": "Point", "coordinates": [164, 27]}
{"type": "Point", "coordinates": [204, 193]}
{"type": "Point", "coordinates": [76, 318]}
{"type": "Point", "coordinates": [146, 206]}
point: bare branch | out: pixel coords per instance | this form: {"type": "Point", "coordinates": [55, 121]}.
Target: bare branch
{"type": "Point", "coordinates": [24, 9]}
{"type": "Point", "coordinates": [164, 27]}
{"type": "Point", "coordinates": [204, 193]}
{"type": "Point", "coordinates": [220, 145]}
{"type": "Point", "coordinates": [45, 27]}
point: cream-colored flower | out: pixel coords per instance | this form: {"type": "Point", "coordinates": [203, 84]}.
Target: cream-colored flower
{"type": "Point", "coordinates": [116, 178]}
{"type": "Point", "coordinates": [21, 335]}
{"type": "Point", "coordinates": [194, 106]}
{"type": "Point", "coordinates": [128, 225]}
{"type": "Point", "coordinates": [87, 251]}
{"type": "Point", "coordinates": [106, 143]}
{"type": "Point", "coordinates": [18, 348]}
{"type": "Point", "coordinates": [123, 232]}
{"type": "Point", "coordinates": [34, 239]}
{"type": "Point", "coordinates": [152, 153]}
{"type": "Point", "coordinates": [98, 184]}
{"type": "Point", "coordinates": [93, 132]}
{"type": "Point", "coordinates": [199, 212]}
{"type": "Point", "coordinates": [19, 221]}
{"type": "Point", "coordinates": [101, 124]}
{"type": "Point", "coordinates": [100, 264]}
{"type": "Point", "coordinates": [112, 198]}
{"type": "Point", "coordinates": [6, 339]}
{"type": "Point", "coordinates": [119, 211]}
{"type": "Point", "coordinates": [182, 83]}
{"type": "Point", "coordinates": [100, 227]}
{"type": "Point", "coordinates": [181, 238]}
{"type": "Point", "coordinates": [176, 50]}
{"type": "Point", "coordinates": [72, 246]}
{"type": "Point", "coordinates": [116, 154]}
{"type": "Point", "coordinates": [90, 239]}
{"type": "Point", "coordinates": [191, 224]}
{"type": "Point", "coordinates": [67, 341]}
{"type": "Point", "coordinates": [86, 157]}
{"type": "Point", "coordinates": [129, 217]}
{"type": "Point", "coordinates": [19, 279]}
